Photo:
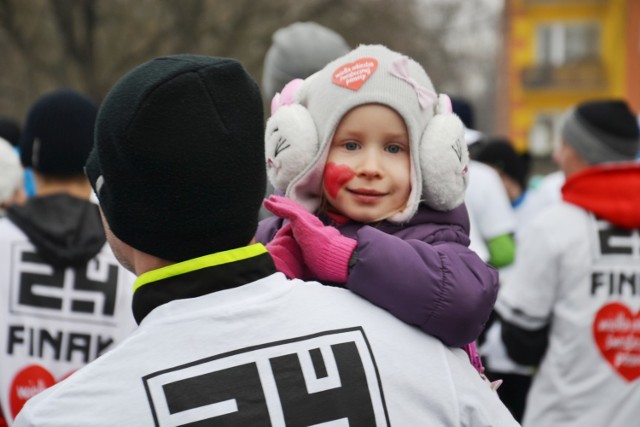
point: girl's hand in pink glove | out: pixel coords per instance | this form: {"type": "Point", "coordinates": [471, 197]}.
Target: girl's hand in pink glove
{"type": "Point", "coordinates": [286, 253]}
{"type": "Point", "coordinates": [325, 251]}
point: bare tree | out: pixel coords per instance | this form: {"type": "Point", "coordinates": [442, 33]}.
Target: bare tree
{"type": "Point", "coordinates": [89, 44]}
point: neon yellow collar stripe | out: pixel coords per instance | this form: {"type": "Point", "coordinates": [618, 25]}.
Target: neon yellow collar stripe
{"type": "Point", "coordinates": [218, 258]}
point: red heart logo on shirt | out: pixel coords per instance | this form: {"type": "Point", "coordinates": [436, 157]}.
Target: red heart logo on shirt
{"type": "Point", "coordinates": [616, 331]}
{"type": "Point", "coordinates": [354, 74]}
{"type": "Point", "coordinates": [30, 381]}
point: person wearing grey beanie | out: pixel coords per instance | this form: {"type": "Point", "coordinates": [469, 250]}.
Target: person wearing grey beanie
{"type": "Point", "coordinates": [601, 132]}
{"type": "Point", "coordinates": [223, 338]}
{"type": "Point", "coordinates": [299, 50]}
{"type": "Point", "coordinates": [567, 305]}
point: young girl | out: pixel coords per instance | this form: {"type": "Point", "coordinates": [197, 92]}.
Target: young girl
{"type": "Point", "coordinates": [367, 146]}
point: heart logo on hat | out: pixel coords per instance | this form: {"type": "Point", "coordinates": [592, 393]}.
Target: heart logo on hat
{"type": "Point", "coordinates": [616, 331]}
{"type": "Point", "coordinates": [354, 74]}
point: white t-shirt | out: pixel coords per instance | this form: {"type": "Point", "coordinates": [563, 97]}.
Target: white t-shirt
{"type": "Point", "coordinates": [582, 277]}
{"type": "Point", "coordinates": [488, 203]}
{"type": "Point", "coordinates": [477, 243]}
{"type": "Point", "coordinates": [273, 352]}
{"type": "Point", "coordinates": [546, 194]}
{"type": "Point", "coordinates": [54, 321]}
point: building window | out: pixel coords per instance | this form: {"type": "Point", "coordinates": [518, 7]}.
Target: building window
{"type": "Point", "coordinates": [564, 43]}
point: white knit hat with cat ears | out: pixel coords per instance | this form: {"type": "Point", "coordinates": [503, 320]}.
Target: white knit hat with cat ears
{"type": "Point", "coordinates": [307, 113]}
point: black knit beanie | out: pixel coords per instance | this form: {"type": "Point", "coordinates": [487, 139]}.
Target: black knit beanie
{"type": "Point", "coordinates": [178, 164]}
{"type": "Point", "coordinates": [463, 109]}
{"type": "Point", "coordinates": [58, 134]}
{"type": "Point", "coordinates": [602, 131]}
{"type": "Point", "coordinates": [10, 130]}
{"type": "Point", "coordinates": [501, 154]}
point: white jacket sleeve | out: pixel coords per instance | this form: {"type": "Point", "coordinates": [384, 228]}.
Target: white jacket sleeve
{"type": "Point", "coordinates": [527, 297]}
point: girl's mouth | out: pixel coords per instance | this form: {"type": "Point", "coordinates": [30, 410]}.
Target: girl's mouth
{"type": "Point", "coordinates": [366, 196]}
{"type": "Point", "coordinates": [365, 192]}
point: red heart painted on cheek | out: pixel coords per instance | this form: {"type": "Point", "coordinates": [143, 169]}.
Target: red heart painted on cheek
{"type": "Point", "coordinates": [335, 177]}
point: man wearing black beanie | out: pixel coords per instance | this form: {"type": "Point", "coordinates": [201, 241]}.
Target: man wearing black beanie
{"type": "Point", "coordinates": [570, 304]}
{"type": "Point", "coordinates": [224, 339]}
{"type": "Point", "coordinates": [64, 299]}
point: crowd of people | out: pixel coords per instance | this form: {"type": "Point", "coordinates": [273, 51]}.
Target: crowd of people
{"type": "Point", "coordinates": [364, 256]}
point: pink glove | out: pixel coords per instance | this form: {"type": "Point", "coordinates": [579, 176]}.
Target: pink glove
{"type": "Point", "coordinates": [325, 251]}
{"type": "Point", "coordinates": [286, 253]}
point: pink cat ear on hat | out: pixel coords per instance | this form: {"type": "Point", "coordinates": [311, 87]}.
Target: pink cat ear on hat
{"type": "Point", "coordinates": [286, 97]}
{"type": "Point", "coordinates": [444, 104]}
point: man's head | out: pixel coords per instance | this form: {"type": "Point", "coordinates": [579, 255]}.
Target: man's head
{"type": "Point", "coordinates": [475, 139]}
{"type": "Point", "coordinates": [512, 166]}
{"type": "Point", "coordinates": [597, 132]}
{"type": "Point", "coordinates": [178, 164]}
{"type": "Point", "coordinates": [10, 130]}
{"type": "Point", "coordinates": [58, 134]}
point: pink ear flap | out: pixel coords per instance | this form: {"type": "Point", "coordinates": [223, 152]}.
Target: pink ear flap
{"type": "Point", "coordinates": [444, 159]}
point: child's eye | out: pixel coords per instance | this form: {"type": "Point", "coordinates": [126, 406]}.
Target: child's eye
{"type": "Point", "coordinates": [351, 145]}
{"type": "Point", "coordinates": [394, 148]}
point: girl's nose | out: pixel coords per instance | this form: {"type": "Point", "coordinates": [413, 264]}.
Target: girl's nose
{"type": "Point", "coordinates": [370, 164]}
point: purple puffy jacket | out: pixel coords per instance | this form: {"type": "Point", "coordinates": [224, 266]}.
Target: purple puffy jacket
{"type": "Point", "coordinates": [423, 272]}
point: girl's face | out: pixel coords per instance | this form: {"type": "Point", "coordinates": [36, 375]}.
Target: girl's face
{"type": "Point", "coordinates": [368, 173]}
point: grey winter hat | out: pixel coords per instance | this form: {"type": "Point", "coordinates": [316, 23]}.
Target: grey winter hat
{"type": "Point", "coordinates": [298, 51]}
{"type": "Point", "coordinates": [178, 162]}
{"type": "Point", "coordinates": [306, 114]}
{"type": "Point", "coordinates": [602, 131]}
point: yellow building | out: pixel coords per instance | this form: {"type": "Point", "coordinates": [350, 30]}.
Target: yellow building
{"type": "Point", "coordinates": [561, 52]}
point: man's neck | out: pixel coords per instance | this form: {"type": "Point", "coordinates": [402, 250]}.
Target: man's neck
{"type": "Point", "coordinates": [143, 262]}
{"type": "Point", "coordinates": [76, 186]}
